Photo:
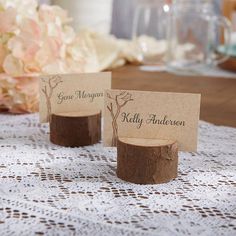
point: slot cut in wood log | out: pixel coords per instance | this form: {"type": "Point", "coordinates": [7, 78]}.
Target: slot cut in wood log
{"type": "Point", "coordinates": [75, 129]}
{"type": "Point", "coordinates": [147, 161]}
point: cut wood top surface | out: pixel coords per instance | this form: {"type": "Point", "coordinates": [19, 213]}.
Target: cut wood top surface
{"type": "Point", "coordinates": [218, 103]}
{"type": "Point", "coordinates": [146, 142]}
{"type": "Point", "coordinates": [78, 113]}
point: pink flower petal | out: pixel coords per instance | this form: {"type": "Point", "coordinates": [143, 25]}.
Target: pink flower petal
{"type": "Point", "coordinates": [13, 66]}
{"type": "Point", "coordinates": [7, 20]}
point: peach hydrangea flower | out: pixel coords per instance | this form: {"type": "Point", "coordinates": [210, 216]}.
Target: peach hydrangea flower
{"type": "Point", "coordinates": [19, 94]}
{"type": "Point", "coordinates": [34, 40]}
{"type": "Point", "coordinates": [37, 39]}
{"type": "Point", "coordinates": [7, 20]}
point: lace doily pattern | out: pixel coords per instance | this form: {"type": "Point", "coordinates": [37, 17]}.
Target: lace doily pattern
{"type": "Point", "coordinates": [50, 190]}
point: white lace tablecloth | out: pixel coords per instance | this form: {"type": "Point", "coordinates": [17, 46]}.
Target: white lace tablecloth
{"type": "Point", "coordinates": [49, 190]}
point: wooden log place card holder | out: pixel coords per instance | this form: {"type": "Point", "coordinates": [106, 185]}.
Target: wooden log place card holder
{"type": "Point", "coordinates": [73, 105]}
{"type": "Point", "coordinates": [147, 161]}
{"type": "Point", "coordinates": [75, 129]}
{"type": "Point", "coordinates": [149, 129]}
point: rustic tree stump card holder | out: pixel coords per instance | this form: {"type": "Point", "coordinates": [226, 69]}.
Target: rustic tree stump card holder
{"type": "Point", "coordinates": [148, 129]}
{"type": "Point", "coordinates": [72, 104]}
{"type": "Point", "coordinates": [147, 161]}
{"type": "Point", "coordinates": [75, 129]}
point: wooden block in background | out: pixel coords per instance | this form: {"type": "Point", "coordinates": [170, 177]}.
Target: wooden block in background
{"type": "Point", "coordinates": [75, 129]}
{"type": "Point", "coordinates": [147, 161]}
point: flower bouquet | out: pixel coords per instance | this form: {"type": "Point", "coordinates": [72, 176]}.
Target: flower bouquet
{"type": "Point", "coordinates": [37, 40]}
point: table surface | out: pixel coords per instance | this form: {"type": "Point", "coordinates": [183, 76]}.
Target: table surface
{"type": "Point", "coordinates": [218, 104]}
{"type": "Point", "coordinates": [50, 190]}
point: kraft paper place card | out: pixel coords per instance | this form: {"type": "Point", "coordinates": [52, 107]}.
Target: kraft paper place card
{"type": "Point", "coordinates": [154, 115]}
{"type": "Point", "coordinates": [72, 92]}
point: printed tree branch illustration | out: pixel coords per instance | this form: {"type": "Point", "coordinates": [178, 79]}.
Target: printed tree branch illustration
{"type": "Point", "coordinates": [48, 89]}
{"type": "Point", "coordinates": [120, 101]}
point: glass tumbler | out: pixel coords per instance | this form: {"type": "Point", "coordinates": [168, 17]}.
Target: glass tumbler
{"type": "Point", "coordinates": [150, 31]}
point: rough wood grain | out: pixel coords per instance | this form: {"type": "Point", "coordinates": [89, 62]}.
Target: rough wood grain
{"type": "Point", "coordinates": [147, 161]}
{"type": "Point", "coordinates": [75, 129]}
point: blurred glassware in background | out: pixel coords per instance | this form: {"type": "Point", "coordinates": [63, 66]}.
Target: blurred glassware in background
{"type": "Point", "coordinates": [88, 14]}
{"type": "Point", "coordinates": [229, 11]}
{"type": "Point", "coordinates": [150, 32]}
{"type": "Point", "coordinates": [194, 35]}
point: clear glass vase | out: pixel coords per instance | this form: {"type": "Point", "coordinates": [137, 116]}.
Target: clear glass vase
{"type": "Point", "coordinates": [150, 32]}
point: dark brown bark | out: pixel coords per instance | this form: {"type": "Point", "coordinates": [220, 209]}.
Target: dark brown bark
{"type": "Point", "coordinates": [146, 161]}
{"type": "Point", "coordinates": [75, 129]}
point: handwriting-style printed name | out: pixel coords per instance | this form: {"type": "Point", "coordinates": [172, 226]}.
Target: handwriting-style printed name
{"type": "Point", "coordinates": [135, 118]}
{"type": "Point", "coordinates": [82, 94]}
{"type": "Point", "coordinates": [78, 94]}
{"type": "Point", "coordinates": [62, 98]}
{"type": "Point", "coordinates": [152, 119]}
